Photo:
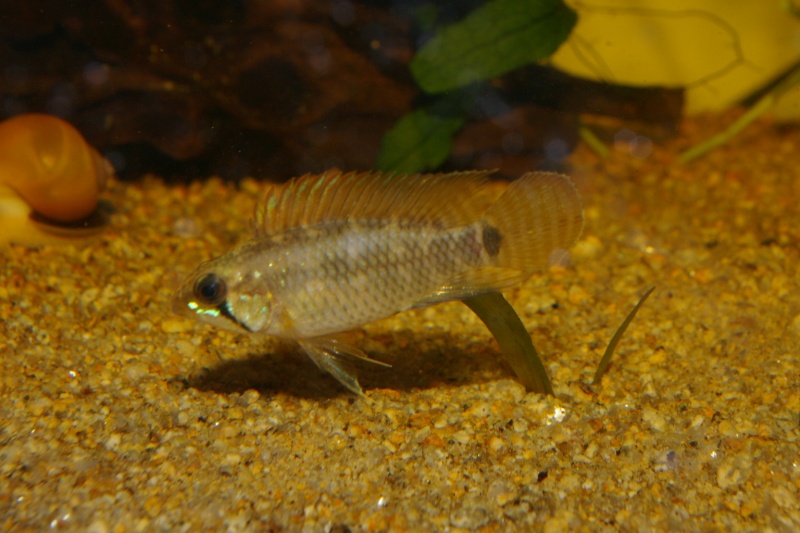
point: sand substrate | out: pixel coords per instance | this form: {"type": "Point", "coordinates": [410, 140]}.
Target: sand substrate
{"type": "Point", "coordinates": [117, 416]}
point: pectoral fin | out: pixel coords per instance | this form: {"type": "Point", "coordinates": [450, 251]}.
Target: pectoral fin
{"type": "Point", "coordinates": [334, 356]}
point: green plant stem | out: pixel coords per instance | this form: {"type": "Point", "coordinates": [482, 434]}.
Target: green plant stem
{"type": "Point", "coordinates": [758, 109]}
{"type": "Point", "coordinates": [593, 142]}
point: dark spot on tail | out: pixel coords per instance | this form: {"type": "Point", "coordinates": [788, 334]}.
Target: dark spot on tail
{"type": "Point", "coordinates": [492, 240]}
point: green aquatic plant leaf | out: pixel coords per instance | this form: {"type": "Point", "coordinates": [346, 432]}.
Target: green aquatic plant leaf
{"type": "Point", "coordinates": [493, 39]}
{"type": "Point", "coordinates": [421, 140]}
{"type": "Point", "coordinates": [612, 345]}
{"type": "Point", "coordinates": [515, 342]}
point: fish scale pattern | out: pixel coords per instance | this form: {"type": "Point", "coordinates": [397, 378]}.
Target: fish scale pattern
{"type": "Point", "coordinates": [353, 274]}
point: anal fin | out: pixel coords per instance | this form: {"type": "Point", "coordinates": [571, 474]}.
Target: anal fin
{"type": "Point", "coordinates": [334, 356]}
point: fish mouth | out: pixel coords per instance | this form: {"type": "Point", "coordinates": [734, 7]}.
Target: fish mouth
{"type": "Point", "coordinates": [186, 307]}
{"type": "Point", "coordinates": [225, 310]}
{"type": "Point", "coordinates": [180, 304]}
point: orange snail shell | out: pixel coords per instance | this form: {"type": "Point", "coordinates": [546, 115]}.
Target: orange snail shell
{"type": "Point", "coordinates": [47, 162]}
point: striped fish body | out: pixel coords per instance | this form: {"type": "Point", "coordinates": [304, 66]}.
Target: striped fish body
{"type": "Point", "coordinates": [343, 275]}
{"type": "Point", "coordinates": [334, 252]}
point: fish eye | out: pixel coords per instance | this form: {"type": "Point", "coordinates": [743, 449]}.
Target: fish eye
{"type": "Point", "coordinates": [210, 289]}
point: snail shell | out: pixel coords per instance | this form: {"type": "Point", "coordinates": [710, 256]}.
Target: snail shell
{"type": "Point", "coordinates": [47, 162]}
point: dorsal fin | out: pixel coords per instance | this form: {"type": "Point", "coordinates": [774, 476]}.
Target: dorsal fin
{"type": "Point", "coordinates": [449, 200]}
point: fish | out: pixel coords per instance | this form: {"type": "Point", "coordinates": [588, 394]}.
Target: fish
{"type": "Point", "coordinates": [335, 251]}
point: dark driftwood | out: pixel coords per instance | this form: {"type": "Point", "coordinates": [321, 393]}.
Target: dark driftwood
{"type": "Point", "coordinates": [267, 88]}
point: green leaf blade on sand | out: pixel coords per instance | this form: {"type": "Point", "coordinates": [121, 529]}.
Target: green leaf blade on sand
{"type": "Point", "coordinates": [420, 140]}
{"type": "Point", "coordinates": [612, 345]}
{"type": "Point", "coordinates": [515, 342]}
{"type": "Point", "coordinates": [494, 39]}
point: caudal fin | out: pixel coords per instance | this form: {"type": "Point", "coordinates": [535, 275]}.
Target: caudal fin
{"type": "Point", "coordinates": [536, 219]}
